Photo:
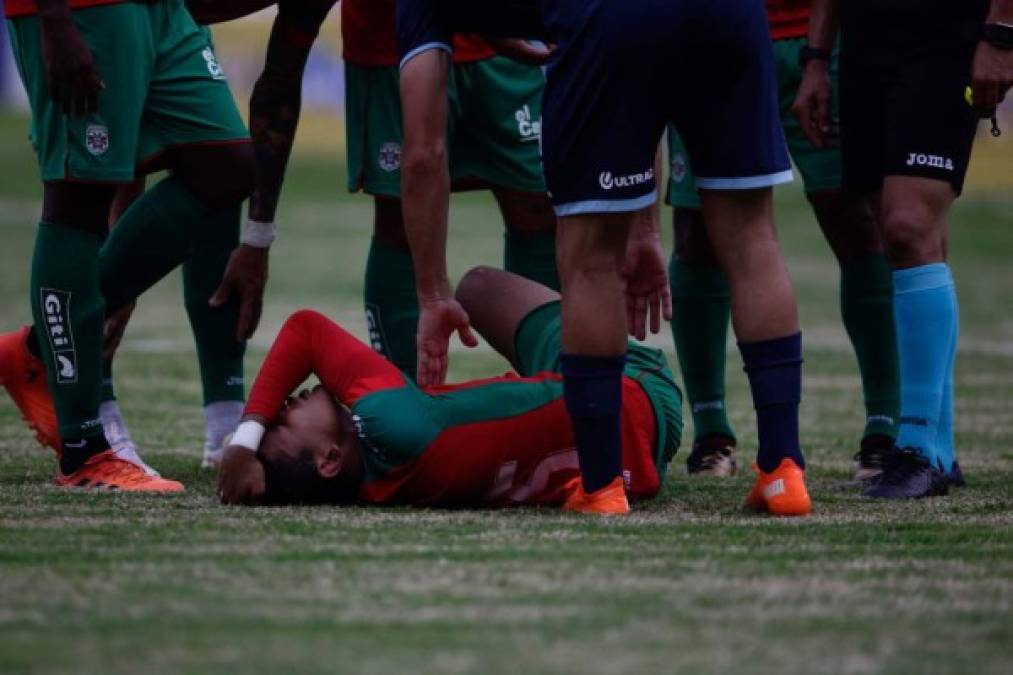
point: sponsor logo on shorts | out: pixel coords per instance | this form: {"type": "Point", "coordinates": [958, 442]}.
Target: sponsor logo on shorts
{"type": "Point", "coordinates": [679, 167]}
{"type": "Point", "coordinates": [56, 313]}
{"type": "Point", "coordinates": [374, 331]}
{"type": "Point", "coordinates": [528, 128]}
{"type": "Point", "coordinates": [931, 161]}
{"type": "Point", "coordinates": [96, 139]}
{"type": "Point", "coordinates": [214, 68]}
{"type": "Point", "coordinates": [608, 181]}
{"type": "Point", "coordinates": [389, 157]}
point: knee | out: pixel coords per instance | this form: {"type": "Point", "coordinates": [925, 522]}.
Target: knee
{"type": "Point", "coordinates": [912, 235]}
{"type": "Point", "coordinates": [476, 282]}
{"type": "Point", "coordinates": [219, 176]}
{"type": "Point", "coordinates": [848, 225]}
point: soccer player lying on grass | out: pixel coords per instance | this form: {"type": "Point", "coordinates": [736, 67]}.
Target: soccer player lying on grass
{"type": "Point", "coordinates": [369, 435]}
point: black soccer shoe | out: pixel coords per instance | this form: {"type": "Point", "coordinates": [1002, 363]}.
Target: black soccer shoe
{"type": "Point", "coordinates": [712, 456]}
{"type": "Point", "coordinates": [873, 457]}
{"type": "Point", "coordinates": [908, 475]}
{"type": "Point", "coordinates": [955, 478]}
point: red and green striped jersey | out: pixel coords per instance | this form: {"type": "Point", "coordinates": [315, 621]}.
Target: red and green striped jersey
{"type": "Point", "coordinates": [494, 442]}
{"type": "Point", "coordinates": [788, 18]}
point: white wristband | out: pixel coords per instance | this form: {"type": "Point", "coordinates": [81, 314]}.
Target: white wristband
{"type": "Point", "coordinates": [258, 234]}
{"type": "Point", "coordinates": [248, 435]}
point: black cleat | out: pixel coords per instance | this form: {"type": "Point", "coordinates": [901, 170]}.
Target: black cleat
{"type": "Point", "coordinates": [955, 477]}
{"type": "Point", "coordinates": [908, 475]}
{"type": "Point", "coordinates": [712, 456]}
{"type": "Point", "coordinates": [873, 457]}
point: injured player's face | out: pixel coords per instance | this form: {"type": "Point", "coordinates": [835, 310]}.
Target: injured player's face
{"type": "Point", "coordinates": [311, 452]}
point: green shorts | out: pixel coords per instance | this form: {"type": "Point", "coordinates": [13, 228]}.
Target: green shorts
{"type": "Point", "coordinates": [494, 128]}
{"type": "Point", "coordinates": [820, 169]}
{"type": "Point", "coordinates": [163, 88]}
{"type": "Point", "coordinates": [538, 342]}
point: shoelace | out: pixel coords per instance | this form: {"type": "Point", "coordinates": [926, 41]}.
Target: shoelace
{"type": "Point", "coordinates": [902, 466]}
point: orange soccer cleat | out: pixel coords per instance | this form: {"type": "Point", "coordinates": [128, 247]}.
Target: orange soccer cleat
{"type": "Point", "coordinates": [24, 377]}
{"type": "Point", "coordinates": [781, 492]}
{"type": "Point", "coordinates": [106, 471]}
{"type": "Point", "coordinates": [608, 501]}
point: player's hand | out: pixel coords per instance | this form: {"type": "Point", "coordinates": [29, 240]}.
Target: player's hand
{"type": "Point", "coordinates": [991, 77]}
{"type": "Point", "coordinates": [439, 319]}
{"type": "Point", "coordinates": [812, 105]}
{"type": "Point", "coordinates": [74, 83]}
{"type": "Point", "coordinates": [241, 477]}
{"type": "Point", "coordinates": [246, 274]}
{"type": "Point", "coordinates": [648, 297]}
{"type": "Point", "coordinates": [113, 329]}
{"type": "Point", "coordinates": [522, 51]}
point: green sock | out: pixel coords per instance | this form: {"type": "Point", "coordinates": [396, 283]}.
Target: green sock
{"type": "Point", "coordinates": [156, 234]}
{"type": "Point", "coordinates": [108, 391]}
{"type": "Point", "coordinates": [219, 354]}
{"type": "Point", "coordinates": [392, 310]}
{"type": "Point", "coordinates": [702, 300]}
{"type": "Point", "coordinates": [532, 256]}
{"type": "Point", "coordinates": [867, 310]}
{"type": "Point", "coordinates": [68, 310]}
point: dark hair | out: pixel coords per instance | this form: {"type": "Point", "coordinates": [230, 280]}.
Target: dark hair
{"type": "Point", "coordinates": [295, 480]}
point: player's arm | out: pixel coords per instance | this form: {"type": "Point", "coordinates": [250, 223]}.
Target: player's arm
{"type": "Point", "coordinates": [425, 182]}
{"type": "Point", "coordinates": [813, 103]}
{"type": "Point", "coordinates": [74, 83]}
{"type": "Point", "coordinates": [274, 116]}
{"type": "Point", "coordinates": [308, 344]}
{"type": "Point", "coordinates": [992, 71]}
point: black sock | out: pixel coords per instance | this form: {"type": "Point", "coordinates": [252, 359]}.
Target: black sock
{"type": "Point", "coordinates": [593, 391]}
{"type": "Point", "coordinates": [775, 377]}
{"type": "Point", "coordinates": [74, 452]}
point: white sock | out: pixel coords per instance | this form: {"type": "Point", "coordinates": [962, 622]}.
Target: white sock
{"type": "Point", "coordinates": [112, 424]}
{"type": "Point", "coordinates": [220, 419]}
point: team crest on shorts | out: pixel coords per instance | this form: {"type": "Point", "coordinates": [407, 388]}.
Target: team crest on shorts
{"type": "Point", "coordinates": [96, 139]}
{"type": "Point", "coordinates": [214, 68]}
{"type": "Point", "coordinates": [679, 167]}
{"type": "Point", "coordinates": [389, 158]}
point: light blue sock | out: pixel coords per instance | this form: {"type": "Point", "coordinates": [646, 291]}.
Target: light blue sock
{"type": "Point", "coordinates": [944, 440]}
{"type": "Point", "coordinates": [925, 314]}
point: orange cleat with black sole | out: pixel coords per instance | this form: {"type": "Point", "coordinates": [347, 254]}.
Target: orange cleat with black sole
{"type": "Point", "coordinates": [781, 492]}
{"type": "Point", "coordinates": [608, 501]}
{"type": "Point", "coordinates": [24, 377]}
{"type": "Point", "coordinates": [106, 471]}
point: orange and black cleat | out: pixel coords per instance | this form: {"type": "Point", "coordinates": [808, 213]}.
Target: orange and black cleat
{"type": "Point", "coordinates": [106, 471]}
{"type": "Point", "coordinates": [608, 501]}
{"type": "Point", "coordinates": [781, 492]}
{"type": "Point", "coordinates": [24, 377]}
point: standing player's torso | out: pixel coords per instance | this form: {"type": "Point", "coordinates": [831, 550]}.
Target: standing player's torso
{"type": "Point", "coordinates": [493, 442]}
{"type": "Point", "coordinates": [369, 38]}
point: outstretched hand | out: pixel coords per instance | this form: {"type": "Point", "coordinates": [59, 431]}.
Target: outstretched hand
{"type": "Point", "coordinates": [439, 319]}
{"type": "Point", "coordinates": [245, 274]}
{"type": "Point", "coordinates": [648, 297]}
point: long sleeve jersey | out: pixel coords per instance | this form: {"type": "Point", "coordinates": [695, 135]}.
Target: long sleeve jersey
{"type": "Point", "coordinates": [493, 442]}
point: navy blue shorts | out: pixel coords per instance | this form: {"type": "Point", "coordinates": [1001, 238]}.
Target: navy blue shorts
{"type": "Point", "coordinates": [625, 68]}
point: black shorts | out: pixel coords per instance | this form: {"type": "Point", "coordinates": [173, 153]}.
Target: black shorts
{"type": "Point", "coordinates": [905, 65]}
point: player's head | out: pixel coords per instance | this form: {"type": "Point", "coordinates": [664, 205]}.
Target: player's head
{"type": "Point", "coordinates": [311, 452]}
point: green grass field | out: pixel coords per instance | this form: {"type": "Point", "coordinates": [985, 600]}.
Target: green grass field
{"type": "Point", "coordinates": [689, 583]}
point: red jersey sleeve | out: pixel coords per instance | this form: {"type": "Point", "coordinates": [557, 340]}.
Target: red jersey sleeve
{"type": "Point", "coordinates": [310, 343]}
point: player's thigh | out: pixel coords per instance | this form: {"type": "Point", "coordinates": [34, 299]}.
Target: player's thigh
{"type": "Point", "coordinates": [863, 130]}
{"type": "Point", "coordinates": [820, 167]}
{"type": "Point", "coordinates": [731, 124]}
{"type": "Point", "coordinates": [602, 122]}
{"type": "Point", "coordinates": [373, 130]}
{"type": "Point", "coordinates": [497, 124]}
{"type": "Point", "coordinates": [101, 146]}
{"type": "Point", "coordinates": [189, 101]}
